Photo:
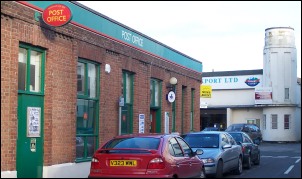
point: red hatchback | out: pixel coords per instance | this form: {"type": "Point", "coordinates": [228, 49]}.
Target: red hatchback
{"type": "Point", "coordinates": [146, 156]}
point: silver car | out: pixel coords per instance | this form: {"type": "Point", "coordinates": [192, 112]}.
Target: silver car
{"type": "Point", "coordinates": [221, 153]}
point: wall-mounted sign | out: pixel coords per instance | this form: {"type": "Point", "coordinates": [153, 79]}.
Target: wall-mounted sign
{"type": "Point", "coordinates": [33, 121]}
{"type": "Point", "coordinates": [171, 96]}
{"type": "Point", "coordinates": [205, 91]}
{"type": "Point", "coordinates": [263, 95]}
{"type": "Point", "coordinates": [141, 123]}
{"type": "Point", "coordinates": [57, 15]}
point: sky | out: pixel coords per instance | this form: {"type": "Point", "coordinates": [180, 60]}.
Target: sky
{"type": "Point", "coordinates": [223, 35]}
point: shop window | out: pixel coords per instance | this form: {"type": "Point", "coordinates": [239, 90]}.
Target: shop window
{"type": "Point", "coordinates": [30, 61]}
{"type": "Point", "coordinates": [87, 109]}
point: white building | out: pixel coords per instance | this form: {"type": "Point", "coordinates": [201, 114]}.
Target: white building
{"type": "Point", "coordinates": [270, 98]}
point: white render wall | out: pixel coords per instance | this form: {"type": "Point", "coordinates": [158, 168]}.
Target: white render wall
{"type": "Point", "coordinates": [281, 134]}
{"type": "Point", "coordinates": [231, 97]}
{"type": "Point", "coordinates": [243, 114]}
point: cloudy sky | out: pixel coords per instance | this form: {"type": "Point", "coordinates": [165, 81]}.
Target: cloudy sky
{"type": "Point", "coordinates": [224, 36]}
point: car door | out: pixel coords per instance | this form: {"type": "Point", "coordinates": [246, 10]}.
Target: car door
{"type": "Point", "coordinates": [181, 166]}
{"type": "Point", "coordinates": [194, 162]}
{"type": "Point", "coordinates": [227, 153]}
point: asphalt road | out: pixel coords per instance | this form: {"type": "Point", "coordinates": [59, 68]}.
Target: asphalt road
{"type": "Point", "coordinates": [278, 160]}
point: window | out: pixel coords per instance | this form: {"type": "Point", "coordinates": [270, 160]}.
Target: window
{"type": "Point", "coordinates": [127, 109]}
{"type": "Point", "coordinates": [155, 95]}
{"type": "Point", "coordinates": [87, 109]}
{"type": "Point", "coordinates": [274, 121]}
{"type": "Point", "coordinates": [30, 69]}
{"type": "Point", "coordinates": [187, 150]}
{"type": "Point", "coordinates": [286, 93]}
{"type": "Point", "coordinates": [264, 122]}
{"type": "Point", "coordinates": [286, 121]}
{"type": "Point", "coordinates": [174, 148]}
{"type": "Point", "coordinates": [192, 110]}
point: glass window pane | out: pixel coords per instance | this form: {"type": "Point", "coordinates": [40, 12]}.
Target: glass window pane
{"type": "Point", "coordinates": [156, 93]}
{"type": "Point", "coordinates": [35, 71]}
{"type": "Point", "coordinates": [286, 93]}
{"type": "Point", "coordinates": [128, 88]}
{"type": "Point", "coordinates": [90, 146]}
{"type": "Point", "coordinates": [151, 93]}
{"type": "Point", "coordinates": [79, 147]}
{"type": "Point", "coordinates": [92, 80]}
{"type": "Point", "coordinates": [81, 78]}
{"type": "Point", "coordinates": [22, 69]}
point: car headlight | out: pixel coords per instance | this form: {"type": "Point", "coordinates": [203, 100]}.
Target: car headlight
{"type": "Point", "coordinates": [208, 160]}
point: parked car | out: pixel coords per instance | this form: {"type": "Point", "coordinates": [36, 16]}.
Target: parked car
{"type": "Point", "coordinates": [250, 150]}
{"type": "Point", "coordinates": [251, 129]}
{"type": "Point", "coordinates": [210, 129]}
{"type": "Point", "coordinates": [221, 153]}
{"type": "Point", "coordinates": [146, 156]}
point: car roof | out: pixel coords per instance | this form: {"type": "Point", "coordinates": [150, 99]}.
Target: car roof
{"type": "Point", "coordinates": [207, 132]}
{"type": "Point", "coordinates": [152, 135]}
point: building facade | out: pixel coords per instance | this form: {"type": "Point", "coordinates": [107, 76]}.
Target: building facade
{"type": "Point", "coordinates": [269, 97]}
{"type": "Point", "coordinates": [71, 78]}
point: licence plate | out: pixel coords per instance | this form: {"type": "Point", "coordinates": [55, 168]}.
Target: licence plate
{"type": "Point", "coordinates": [125, 163]}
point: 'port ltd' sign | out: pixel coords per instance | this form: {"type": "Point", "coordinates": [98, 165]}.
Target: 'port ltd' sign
{"type": "Point", "coordinates": [57, 15]}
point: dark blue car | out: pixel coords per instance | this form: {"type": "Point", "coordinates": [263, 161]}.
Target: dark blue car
{"type": "Point", "coordinates": [250, 150]}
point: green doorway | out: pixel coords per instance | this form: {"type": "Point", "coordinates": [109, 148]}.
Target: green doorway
{"type": "Point", "coordinates": [30, 136]}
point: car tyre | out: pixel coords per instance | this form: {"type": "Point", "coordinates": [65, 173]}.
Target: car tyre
{"type": "Point", "coordinates": [219, 170]}
{"type": "Point", "coordinates": [203, 173]}
{"type": "Point", "coordinates": [257, 161]}
{"type": "Point", "coordinates": [249, 162]}
{"type": "Point", "coordinates": [238, 171]}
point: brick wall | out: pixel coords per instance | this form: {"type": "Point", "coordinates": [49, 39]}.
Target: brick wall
{"type": "Point", "coordinates": [64, 45]}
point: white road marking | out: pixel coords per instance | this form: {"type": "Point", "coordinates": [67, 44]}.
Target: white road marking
{"type": "Point", "coordinates": [298, 160]}
{"type": "Point", "coordinates": [289, 169]}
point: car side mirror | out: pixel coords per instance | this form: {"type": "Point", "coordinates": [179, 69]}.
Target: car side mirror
{"type": "Point", "coordinates": [198, 152]}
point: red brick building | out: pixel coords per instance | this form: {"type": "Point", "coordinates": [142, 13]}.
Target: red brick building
{"type": "Point", "coordinates": [67, 88]}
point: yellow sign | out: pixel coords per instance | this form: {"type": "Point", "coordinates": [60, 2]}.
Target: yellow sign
{"type": "Point", "coordinates": [205, 91]}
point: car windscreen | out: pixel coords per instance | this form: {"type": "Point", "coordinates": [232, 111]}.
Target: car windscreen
{"type": "Point", "coordinates": [237, 137]}
{"type": "Point", "coordinates": [134, 142]}
{"type": "Point", "coordinates": [202, 140]}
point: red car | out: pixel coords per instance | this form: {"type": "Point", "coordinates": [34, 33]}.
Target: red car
{"type": "Point", "coordinates": [146, 156]}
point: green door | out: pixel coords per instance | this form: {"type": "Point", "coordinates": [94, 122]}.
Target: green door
{"type": "Point", "coordinates": [30, 136]}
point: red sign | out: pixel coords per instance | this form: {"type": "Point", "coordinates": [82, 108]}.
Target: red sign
{"type": "Point", "coordinates": [57, 15]}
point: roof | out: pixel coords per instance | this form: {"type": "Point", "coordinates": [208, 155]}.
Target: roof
{"type": "Point", "coordinates": [233, 73]}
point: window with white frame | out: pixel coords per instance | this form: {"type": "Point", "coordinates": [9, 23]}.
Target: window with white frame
{"type": "Point", "coordinates": [286, 93]}
{"type": "Point", "coordinates": [274, 121]}
{"type": "Point", "coordinates": [286, 121]}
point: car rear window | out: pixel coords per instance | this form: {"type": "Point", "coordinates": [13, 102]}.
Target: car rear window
{"type": "Point", "coordinates": [237, 137]}
{"type": "Point", "coordinates": [235, 127]}
{"type": "Point", "coordinates": [134, 142]}
{"type": "Point", "coordinates": [202, 140]}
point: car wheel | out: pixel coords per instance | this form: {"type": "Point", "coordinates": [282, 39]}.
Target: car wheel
{"type": "Point", "coordinates": [257, 161]}
{"type": "Point", "coordinates": [238, 171]}
{"type": "Point", "coordinates": [249, 162]}
{"type": "Point", "coordinates": [219, 170]}
{"type": "Point", "coordinates": [203, 173]}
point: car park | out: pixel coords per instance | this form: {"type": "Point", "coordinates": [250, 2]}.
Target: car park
{"type": "Point", "coordinates": [221, 153]}
{"type": "Point", "coordinates": [146, 156]}
{"type": "Point", "coordinates": [251, 129]}
{"type": "Point", "coordinates": [250, 150]}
